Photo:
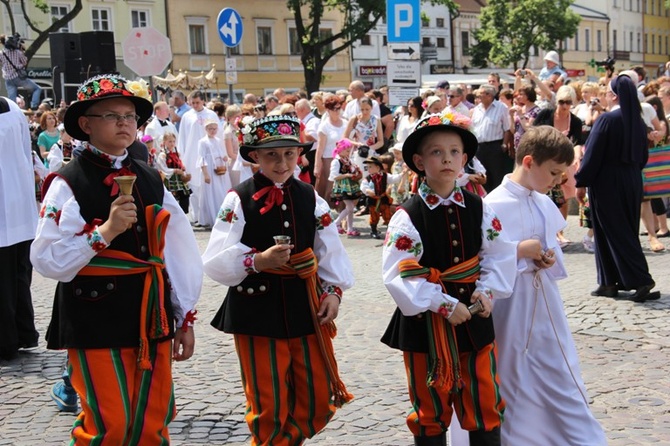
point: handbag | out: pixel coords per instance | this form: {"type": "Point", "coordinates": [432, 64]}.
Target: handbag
{"type": "Point", "coordinates": [656, 173]}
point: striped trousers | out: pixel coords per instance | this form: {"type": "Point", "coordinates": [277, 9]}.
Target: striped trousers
{"type": "Point", "coordinates": [122, 405]}
{"type": "Point", "coordinates": [478, 403]}
{"type": "Point", "coordinates": [287, 389]}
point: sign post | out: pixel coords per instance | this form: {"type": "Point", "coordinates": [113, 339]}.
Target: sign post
{"type": "Point", "coordinates": [403, 30]}
{"type": "Point", "coordinates": [230, 28]}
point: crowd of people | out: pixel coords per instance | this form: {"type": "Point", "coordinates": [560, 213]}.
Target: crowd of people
{"type": "Point", "coordinates": [473, 186]}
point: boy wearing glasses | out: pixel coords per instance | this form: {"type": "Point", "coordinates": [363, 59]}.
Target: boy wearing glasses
{"type": "Point", "coordinates": [115, 309]}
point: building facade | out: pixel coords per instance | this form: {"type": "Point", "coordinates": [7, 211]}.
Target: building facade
{"type": "Point", "coordinates": [268, 56]}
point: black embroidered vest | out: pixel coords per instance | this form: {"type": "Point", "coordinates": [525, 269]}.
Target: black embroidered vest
{"type": "Point", "coordinates": [450, 235]}
{"type": "Point", "coordinates": [266, 304]}
{"type": "Point", "coordinates": [104, 311]}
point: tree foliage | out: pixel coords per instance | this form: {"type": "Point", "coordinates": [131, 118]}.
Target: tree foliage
{"type": "Point", "coordinates": [359, 17]}
{"type": "Point", "coordinates": [42, 32]}
{"type": "Point", "coordinates": [510, 29]}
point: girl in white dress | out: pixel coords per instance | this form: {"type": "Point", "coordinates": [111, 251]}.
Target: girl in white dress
{"type": "Point", "coordinates": [213, 162]}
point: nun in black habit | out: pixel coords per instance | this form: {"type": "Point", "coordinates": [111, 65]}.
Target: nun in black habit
{"type": "Point", "coordinates": [616, 152]}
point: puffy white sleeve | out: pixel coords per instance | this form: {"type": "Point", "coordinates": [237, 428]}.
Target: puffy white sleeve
{"type": "Point", "coordinates": [64, 243]}
{"type": "Point", "coordinates": [497, 258]}
{"type": "Point", "coordinates": [161, 165]}
{"type": "Point", "coordinates": [55, 158]}
{"type": "Point", "coordinates": [335, 269]}
{"type": "Point", "coordinates": [334, 169]}
{"type": "Point", "coordinates": [413, 295]}
{"type": "Point", "coordinates": [182, 260]}
{"type": "Point", "coordinates": [227, 260]}
{"type": "Point", "coordinates": [203, 148]}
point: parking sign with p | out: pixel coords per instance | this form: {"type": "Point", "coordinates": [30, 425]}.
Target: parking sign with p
{"type": "Point", "coordinates": [403, 20]}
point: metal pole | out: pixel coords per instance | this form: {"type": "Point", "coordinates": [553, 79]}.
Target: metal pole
{"type": "Point", "coordinates": [231, 97]}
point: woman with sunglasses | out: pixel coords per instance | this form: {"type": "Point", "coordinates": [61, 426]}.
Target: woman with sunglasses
{"type": "Point", "coordinates": [561, 118]}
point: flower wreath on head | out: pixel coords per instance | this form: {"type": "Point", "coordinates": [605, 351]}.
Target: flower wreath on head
{"type": "Point", "coordinates": [447, 118]}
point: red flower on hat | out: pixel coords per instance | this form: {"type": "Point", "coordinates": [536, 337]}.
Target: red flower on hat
{"type": "Point", "coordinates": [261, 134]}
{"type": "Point", "coordinates": [106, 84]}
{"type": "Point", "coordinates": [434, 120]}
{"type": "Point", "coordinates": [284, 129]}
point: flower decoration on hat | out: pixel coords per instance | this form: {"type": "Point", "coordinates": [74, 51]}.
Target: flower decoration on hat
{"type": "Point", "coordinates": [103, 85]}
{"type": "Point", "coordinates": [448, 118]}
{"type": "Point", "coordinates": [139, 88]}
{"type": "Point", "coordinates": [270, 128]}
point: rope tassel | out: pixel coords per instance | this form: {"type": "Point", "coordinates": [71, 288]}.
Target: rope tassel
{"type": "Point", "coordinates": [444, 371]}
{"type": "Point", "coordinates": [154, 323]}
{"type": "Point", "coordinates": [305, 265]}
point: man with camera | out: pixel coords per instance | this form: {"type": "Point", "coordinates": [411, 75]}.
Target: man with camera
{"type": "Point", "coordinates": [14, 63]}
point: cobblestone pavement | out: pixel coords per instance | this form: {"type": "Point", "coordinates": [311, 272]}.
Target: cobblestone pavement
{"type": "Point", "coordinates": [623, 348]}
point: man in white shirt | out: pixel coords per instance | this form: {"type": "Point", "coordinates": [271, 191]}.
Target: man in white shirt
{"type": "Point", "coordinates": [455, 103]}
{"type": "Point", "coordinates": [491, 123]}
{"type": "Point", "coordinates": [160, 124]}
{"type": "Point", "coordinates": [17, 231]}
{"type": "Point", "coordinates": [353, 108]}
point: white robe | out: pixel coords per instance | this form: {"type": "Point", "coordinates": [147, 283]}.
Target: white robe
{"type": "Point", "coordinates": [210, 155]}
{"type": "Point", "coordinates": [538, 365]}
{"type": "Point", "coordinates": [18, 219]}
{"type": "Point", "coordinates": [191, 129]}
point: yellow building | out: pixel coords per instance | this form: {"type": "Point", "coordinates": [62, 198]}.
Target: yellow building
{"type": "Point", "coordinates": [590, 43]}
{"type": "Point", "coordinates": [656, 22]}
{"type": "Point", "coordinates": [268, 56]}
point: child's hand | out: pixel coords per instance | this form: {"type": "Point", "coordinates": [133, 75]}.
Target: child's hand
{"type": "Point", "coordinates": [273, 257]}
{"type": "Point", "coordinates": [184, 344]}
{"type": "Point", "coordinates": [530, 249]}
{"type": "Point", "coordinates": [548, 259]}
{"type": "Point", "coordinates": [207, 179]}
{"type": "Point", "coordinates": [122, 216]}
{"type": "Point", "coordinates": [460, 315]}
{"type": "Point", "coordinates": [328, 309]}
{"type": "Point", "coordinates": [486, 303]}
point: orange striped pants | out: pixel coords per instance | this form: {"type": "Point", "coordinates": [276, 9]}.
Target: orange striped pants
{"type": "Point", "coordinates": [287, 389]}
{"type": "Point", "coordinates": [478, 404]}
{"type": "Point", "coordinates": [122, 405]}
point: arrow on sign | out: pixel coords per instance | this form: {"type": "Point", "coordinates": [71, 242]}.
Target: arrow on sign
{"type": "Point", "coordinates": [408, 50]}
{"type": "Point", "coordinates": [229, 28]}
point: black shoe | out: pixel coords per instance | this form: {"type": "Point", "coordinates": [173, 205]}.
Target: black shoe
{"type": "Point", "coordinates": [376, 235]}
{"type": "Point", "coordinates": [605, 291]}
{"type": "Point", "coordinates": [433, 440]}
{"type": "Point", "coordinates": [642, 293]}
{"type": "Point", "coordinates": [484, 438]}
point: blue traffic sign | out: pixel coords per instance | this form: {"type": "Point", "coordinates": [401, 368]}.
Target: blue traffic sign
{"type": "Point", "coordinates": [229, 24]}
{"type": "Point", "coordinates": [403, 21]}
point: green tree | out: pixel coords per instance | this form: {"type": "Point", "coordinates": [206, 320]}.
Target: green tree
{"type": "Point", "coordinates": [43, 32]}
{"type": "Point", "coordinates": [359, 17]}
{"type": "Point", "coordinates": [510, 29]}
